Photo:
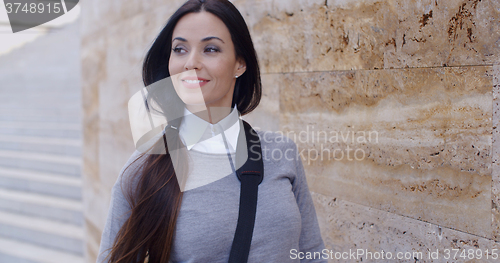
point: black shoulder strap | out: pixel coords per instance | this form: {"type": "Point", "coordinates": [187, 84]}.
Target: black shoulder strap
{"type": "Point", "coordinates": [250, 175]}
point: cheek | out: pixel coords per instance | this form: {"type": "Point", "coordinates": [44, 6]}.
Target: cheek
{"type": "Point", "coordinates": [224, 69]}
{"type": "Point", "coordinates": [174, 66]}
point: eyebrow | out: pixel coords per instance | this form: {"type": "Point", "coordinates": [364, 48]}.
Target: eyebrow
{"type": "Point", "coordinates": [203, 40]}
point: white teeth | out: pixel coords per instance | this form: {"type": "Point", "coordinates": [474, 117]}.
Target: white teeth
{"type": "Point", "coordinates": [193, 81]}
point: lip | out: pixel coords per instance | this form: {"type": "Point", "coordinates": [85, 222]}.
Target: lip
{"type": "Point", "coordinates": [194, 85]}
{"type": "Point", "coordinates": [193, 78]}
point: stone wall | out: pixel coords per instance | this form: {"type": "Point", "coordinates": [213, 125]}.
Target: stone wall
{"type": "Point", "coordinates": [393, 103]}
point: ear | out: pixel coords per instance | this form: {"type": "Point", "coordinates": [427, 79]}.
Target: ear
{"type": "Point", "coordinates": [241, 67]}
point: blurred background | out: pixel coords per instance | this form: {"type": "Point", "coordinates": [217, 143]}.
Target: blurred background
{"type": "Point", "coordinates": [423, 75]}
{"type": "Point", "coordinates": [41, 208]}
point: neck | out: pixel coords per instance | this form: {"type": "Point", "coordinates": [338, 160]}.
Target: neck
{"type": "Point", "coordinates": [208, 113]}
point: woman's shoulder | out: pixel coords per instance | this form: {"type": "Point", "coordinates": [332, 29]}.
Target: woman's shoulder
{"type": "Point", "coordinates": [133, 166]}
{"type": "Point", "coordinates": [276, 139]}
{"type": "Point", "coordinates": [279, 151]}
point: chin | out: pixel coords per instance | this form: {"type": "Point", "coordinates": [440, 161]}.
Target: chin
{"type": "Point", "coordinates": [193, 102]}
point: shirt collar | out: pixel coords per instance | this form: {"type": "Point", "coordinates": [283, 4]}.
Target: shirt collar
{"type": "Point", "coordinates": [194, 129]}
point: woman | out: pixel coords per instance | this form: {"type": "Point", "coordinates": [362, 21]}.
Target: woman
{"type": "Point", "coordinates": [159, 216]}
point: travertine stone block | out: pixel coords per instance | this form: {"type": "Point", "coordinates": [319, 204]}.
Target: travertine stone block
{"type": "Point", "coordinates": [416, 142]}
{"type": "Point", "coordinates": [92, 241]}
{"type": "Point", "coordinates": [266, 115]}
{"type": "Point", "coordinates": [349, 226]}
{"type": "Point", "coordinates": [93, 71]}
{"type": "Point", "coordinates": [345, 35]}
{"type": "Point", "coordinates": [431, 105]}
{"type": "Point", "coordinates": [495, 166]}
{"type": "Point", "coordinates": [99, 15]}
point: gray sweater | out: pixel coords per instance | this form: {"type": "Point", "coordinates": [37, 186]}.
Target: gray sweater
{"type": "Point", "coordinates": [285, 221]}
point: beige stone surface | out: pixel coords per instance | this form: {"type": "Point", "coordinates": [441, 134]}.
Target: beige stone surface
{"type": "Point", "coordinates": [93, 69]}
{"type": "Point", "coordinates": [403, 108]}
{"type": "Point", "coordinates": [349, 226]}
{"type": "Point", "coordinates": [345, 35]}
{"type": "Point", "coordinates": [100, 15]}
{"type": "Point", "coordinates": [266, 116]}
{"type": "Point", "coordinates": [419, 139]}
{"type": "Point", "coordinates": [495, 175]}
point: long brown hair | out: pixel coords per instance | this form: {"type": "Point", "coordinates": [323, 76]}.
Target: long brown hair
{"type": "Point", "coordinates": [155, 197]}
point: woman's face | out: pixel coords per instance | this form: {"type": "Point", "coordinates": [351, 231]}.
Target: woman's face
{"type": "Point", "coordinates": [203, 63]}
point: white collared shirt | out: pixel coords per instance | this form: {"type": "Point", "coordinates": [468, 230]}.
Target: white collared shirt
{"type": "Point", "coordinates": [200, 135]}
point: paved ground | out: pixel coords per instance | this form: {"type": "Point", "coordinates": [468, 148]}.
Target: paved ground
{"type": "Point", "coordinates": [41, 217]}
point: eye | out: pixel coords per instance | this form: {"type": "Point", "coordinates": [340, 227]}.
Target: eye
{"type": "Point", "coordinates": [177, 50]}
{"type": "Point", "coordinates": [212, 49]}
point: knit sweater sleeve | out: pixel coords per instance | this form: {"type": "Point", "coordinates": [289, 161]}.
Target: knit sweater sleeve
{"type": "Point", "coordinates": [310, 237]}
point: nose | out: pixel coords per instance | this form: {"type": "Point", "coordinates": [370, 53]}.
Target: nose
{"type": "Point", "coordinates": [193, 61]}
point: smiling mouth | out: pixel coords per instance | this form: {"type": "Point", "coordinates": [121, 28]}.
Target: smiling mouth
{"type": "Point", "coordinates": [194, 81]}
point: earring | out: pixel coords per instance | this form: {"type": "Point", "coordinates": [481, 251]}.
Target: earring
{"type": "Point", "coordinates": [236, 76]}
